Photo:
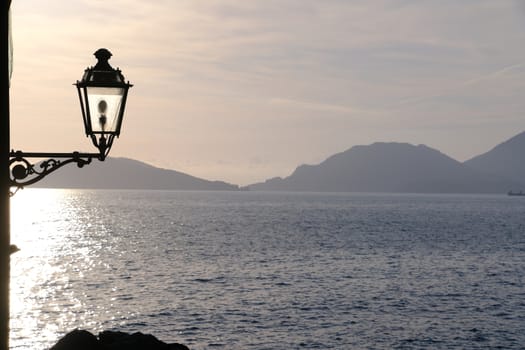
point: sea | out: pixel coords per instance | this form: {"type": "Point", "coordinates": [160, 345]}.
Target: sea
{"type": "Point", "coordinates": [262, 270]}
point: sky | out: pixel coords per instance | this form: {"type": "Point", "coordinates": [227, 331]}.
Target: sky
{"type": "Point", "coordinates": [246, 90]}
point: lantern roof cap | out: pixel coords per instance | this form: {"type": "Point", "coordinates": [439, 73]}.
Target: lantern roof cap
{"type": "Point", "coordinates": [103, 56]}
{"type": "Point", "coordinates": [102, 74]}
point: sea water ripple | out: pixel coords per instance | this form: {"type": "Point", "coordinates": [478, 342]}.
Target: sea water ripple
{"type": "Point", "coordinates": [242, 270]}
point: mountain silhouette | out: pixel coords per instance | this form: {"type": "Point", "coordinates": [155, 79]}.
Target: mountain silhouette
{"type": "Point", "coordinates": [506, 160]}
{"type": "Point", "coordinates": [379, 167]}
{"type": "Point", "coordinates": [387, 167]}
{"type": "Point", "coordinates": [124, 173]}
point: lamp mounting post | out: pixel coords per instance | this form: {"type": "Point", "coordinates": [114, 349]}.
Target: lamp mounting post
{"type": "Point", "coordinates": [103, 93]}
{"type": "Point", "coordinates": [5, 239]}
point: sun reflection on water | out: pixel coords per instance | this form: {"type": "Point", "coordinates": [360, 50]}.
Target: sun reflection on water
{"type": "Point", "coordinates": [47, 226]}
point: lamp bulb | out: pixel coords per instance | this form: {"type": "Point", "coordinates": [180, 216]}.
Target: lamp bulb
{"type": "Point", "coordinates": [102, 106]}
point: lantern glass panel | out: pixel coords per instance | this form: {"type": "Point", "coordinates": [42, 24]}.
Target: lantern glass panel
{"type": "Point", "coordinates": [104, 108]}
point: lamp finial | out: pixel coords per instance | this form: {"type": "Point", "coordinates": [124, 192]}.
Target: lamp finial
{"type": "Point", "coordinates": [103, 56]}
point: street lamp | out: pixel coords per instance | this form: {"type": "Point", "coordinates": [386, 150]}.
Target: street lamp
{"type": "Point", "coordinates": [103, 93]}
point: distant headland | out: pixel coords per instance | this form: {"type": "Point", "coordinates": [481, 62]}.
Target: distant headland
{"type": "Point", "coordinates": [379, 167]}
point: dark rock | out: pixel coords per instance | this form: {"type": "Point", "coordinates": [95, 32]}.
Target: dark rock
{"type": "Point", "coordinates": [78, 340]}
{"type": "Point", "coordinates": [113, 340]}
{"type": "Point", "coordinates": [136, 341]}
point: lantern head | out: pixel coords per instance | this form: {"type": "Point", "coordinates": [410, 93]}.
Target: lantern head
{"type": "Point", "coordinates": [103, 92]}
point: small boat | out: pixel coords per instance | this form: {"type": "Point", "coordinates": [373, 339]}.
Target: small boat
{"type": "Point", "coordinates": [520, 193]}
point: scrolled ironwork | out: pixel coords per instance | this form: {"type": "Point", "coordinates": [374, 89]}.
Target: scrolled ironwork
{"type": "Point", "coordinates": [23, 172]}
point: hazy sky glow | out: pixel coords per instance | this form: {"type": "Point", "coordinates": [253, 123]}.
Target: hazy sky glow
{"type": "Point", "coordinates": [246, 90]}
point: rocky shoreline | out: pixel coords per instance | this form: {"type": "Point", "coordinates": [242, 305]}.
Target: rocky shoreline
{"type": "Point", "coordinates": [113, 340]}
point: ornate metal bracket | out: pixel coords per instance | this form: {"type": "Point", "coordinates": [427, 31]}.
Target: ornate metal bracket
{"type": "Point", "coordinates": [24, 173]}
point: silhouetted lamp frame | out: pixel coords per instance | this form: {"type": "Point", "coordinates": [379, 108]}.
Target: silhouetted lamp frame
{"type": "Point", "coordinates": [106, 89]}
{"type": "Point", "coordinates": [103, 93]}
{"type": "Point", "coordinates": [19, 169]}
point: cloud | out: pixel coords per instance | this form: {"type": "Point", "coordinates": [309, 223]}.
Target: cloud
{"type": "Point", "coordinates": [459, 88]}
{"type": "Point", "coordinates": [229, 75]}
{"type": "Point", "coordinates": [320, 107]}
